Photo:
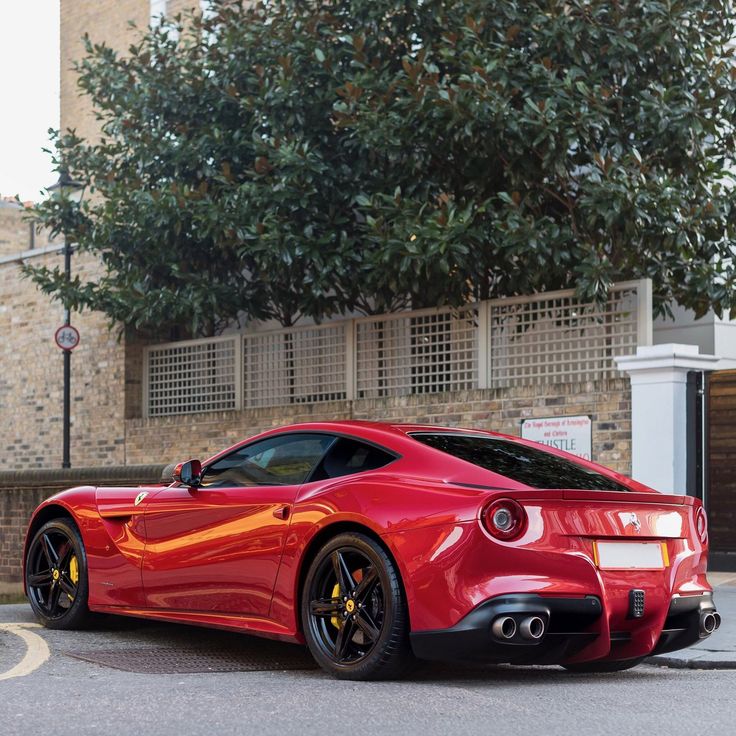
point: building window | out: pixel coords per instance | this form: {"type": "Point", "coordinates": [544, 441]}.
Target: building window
{"type": "Point", "coordinates": [207, 7]}
{"type": "Point", "coordinates": [158, 10]}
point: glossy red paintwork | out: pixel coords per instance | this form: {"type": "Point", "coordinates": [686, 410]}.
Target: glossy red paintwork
{"type": "Point", "coordinates": [233, 557]}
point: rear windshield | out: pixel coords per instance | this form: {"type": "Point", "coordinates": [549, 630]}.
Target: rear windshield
{"type": "Point", "coordinates": [528, 465]}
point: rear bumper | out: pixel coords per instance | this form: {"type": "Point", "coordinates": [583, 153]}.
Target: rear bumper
{"type": "Point", "coordinates": [574, 629]}
{"type": "Point", "coordinates": [682, 627]}
{"type": "Point", "coordinates": [569, 628]}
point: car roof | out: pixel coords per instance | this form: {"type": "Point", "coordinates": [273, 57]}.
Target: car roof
{"type": "Point", "coordinates": [371, 429]}
{"type": "Point", "coordinates": [390, 427]}
{"type": "Point", "coordinates": [393, 435]}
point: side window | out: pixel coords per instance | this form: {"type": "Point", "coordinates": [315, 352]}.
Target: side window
{"type": "Point", "coordinates": [348, 456]}
{"type": "Point", "coordinates": [278, 461]}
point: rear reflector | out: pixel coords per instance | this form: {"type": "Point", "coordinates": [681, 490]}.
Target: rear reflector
{"type": "Point", "coordinates": [636, 603]}
{"type": "Point", "coordinates": [701, 524]}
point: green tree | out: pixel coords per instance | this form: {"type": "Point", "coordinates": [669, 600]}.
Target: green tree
{"type": "Point", "coordinates": [302, 158]}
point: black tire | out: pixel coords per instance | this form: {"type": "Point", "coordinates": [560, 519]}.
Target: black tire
{"type": "Point", "coordinates": [356, 637]}
{"type": "Point", "coordinates": [56, 576]}
{"type": "Point", "coordinates": [618, 665]}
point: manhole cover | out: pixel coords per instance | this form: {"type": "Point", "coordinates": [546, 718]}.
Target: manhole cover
{"type": "Point", "coordinates": [173, 661]}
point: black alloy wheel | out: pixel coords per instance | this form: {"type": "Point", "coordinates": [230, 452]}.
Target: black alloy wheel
{"type": "Point", "coordinates": [56, 576]}
{"type": "Point", "coordinates": [353, 611]}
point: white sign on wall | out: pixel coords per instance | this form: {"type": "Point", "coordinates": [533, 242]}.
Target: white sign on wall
{"type": "Point", "coordinates": [571, 434]}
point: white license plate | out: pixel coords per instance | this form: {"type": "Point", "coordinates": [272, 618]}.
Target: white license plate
{"type": "Point", "coordinates": [630, 555]}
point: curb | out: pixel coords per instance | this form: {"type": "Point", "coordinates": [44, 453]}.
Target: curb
{"type": "Point", "coordinates": [692, 664]}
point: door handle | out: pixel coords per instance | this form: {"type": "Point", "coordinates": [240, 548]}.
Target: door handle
{"type": "Point", "coordinates": [282, 512]}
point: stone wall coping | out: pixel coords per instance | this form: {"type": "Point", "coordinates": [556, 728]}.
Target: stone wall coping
{"type": "Point", "coordinates": [69, 477]}
{"type": "Point", "coordinates": [668, 357]}
{"type": "Point", "coordinates": [26, 254]}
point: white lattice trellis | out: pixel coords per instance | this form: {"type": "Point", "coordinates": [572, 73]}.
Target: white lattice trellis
{"type": "Point", "coordinates": [546, 338]}
{"type": "Point", "coordinates": [417, 352]}
{"type": "Point", "coordinates": [193, 376]}
{"type": "Point", "coordinates": [298, 365]}
{"type": "Point", "coordinates": [557, 338]}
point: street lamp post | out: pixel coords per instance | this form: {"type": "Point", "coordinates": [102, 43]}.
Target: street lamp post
{"type": "Point", "coordinates": [67, 188]}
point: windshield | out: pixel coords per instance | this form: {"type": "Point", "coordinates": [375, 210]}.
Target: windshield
{"type": "Point", "coordinates": [529, 465]}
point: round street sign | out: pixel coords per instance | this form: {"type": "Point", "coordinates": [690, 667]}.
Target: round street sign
{"type": "Point", "coordinates": [67, 337]}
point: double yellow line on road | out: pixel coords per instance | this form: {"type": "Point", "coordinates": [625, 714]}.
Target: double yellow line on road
{"type": "Point", "coordinates": [37, 650]}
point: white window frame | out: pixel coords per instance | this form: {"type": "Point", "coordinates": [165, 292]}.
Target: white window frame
{"type": "Point", "coordinates": [207, 9]}
{"type": "Point", "coordinates": [158, 10]}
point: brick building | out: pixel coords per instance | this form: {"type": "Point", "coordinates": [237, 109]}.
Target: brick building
{"type": "Point", "coordinates": [16, 234]}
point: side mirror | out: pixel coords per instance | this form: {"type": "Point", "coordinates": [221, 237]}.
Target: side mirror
{"type": "Point", "coordinates": [188, 473]}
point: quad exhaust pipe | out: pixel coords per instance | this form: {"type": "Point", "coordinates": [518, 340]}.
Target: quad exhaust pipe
{"type": "Point", "coordinates": [709, 622]}
{"type": "Point", "coordinates": [531, 628]}
{"type": "Point", "coordinates": [504, 627]}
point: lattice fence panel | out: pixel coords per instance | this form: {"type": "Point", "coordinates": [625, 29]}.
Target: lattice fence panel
{"type": "Point", "coordinates": [544, 338]}
{"type": "Point", "coordinates": [418, 352]}
{"type": "Point", "coordinates": [300, 365]}
{"type": "Point", "coordinates": [560, 339]}
{"type": "Point", "coordinates": [194, 376]}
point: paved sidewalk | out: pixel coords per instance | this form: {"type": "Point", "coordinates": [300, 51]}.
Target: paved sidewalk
{"type": "Point", "coordinates": [718, 651]}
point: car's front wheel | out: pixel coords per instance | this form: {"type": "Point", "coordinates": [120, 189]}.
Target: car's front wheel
{"type": "Point", "coordinates": [56, 576]}
{"type": "Point", "coordinates": [354, 614]}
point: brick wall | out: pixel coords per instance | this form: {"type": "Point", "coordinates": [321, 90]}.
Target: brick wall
{"type": "Point", "coordinates": [104, 20]}
{"type": "Point", "coordinates": [16, 507]}
{"type": "Point", "coordinates": [15, 232]}
{"type": "Point", "coordinates": [31, 377]}
{"type": "Point", "coordinates": [173, 7]}
{"type": "Point", "coordinates": [21, 492]}
{"type": "Point", "coordinates": [170, 439]}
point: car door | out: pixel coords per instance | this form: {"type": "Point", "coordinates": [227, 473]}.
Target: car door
{"type": "Point", "coordinates": [218, 547]}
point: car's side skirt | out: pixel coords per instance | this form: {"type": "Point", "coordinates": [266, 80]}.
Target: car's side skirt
{"type": "Point", "coordinates": [229, 621]}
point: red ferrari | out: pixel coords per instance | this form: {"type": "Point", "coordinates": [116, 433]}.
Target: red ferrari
{"type": "Point", "coordinates": [377, 543]}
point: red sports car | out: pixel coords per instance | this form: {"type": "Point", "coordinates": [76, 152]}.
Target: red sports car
{"type": "Point", "coordinates": [377, 543]}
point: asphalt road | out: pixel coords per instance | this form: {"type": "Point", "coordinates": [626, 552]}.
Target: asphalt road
{"type": "Point", "coordinates": [66, 694]}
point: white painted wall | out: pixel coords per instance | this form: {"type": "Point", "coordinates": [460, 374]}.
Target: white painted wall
{"type": "Point", "coordinates": [658, 412]}
{"type": "Point", "coordinates": [713, 335]}
{"type": "Point", "coordinates": [158, 10]}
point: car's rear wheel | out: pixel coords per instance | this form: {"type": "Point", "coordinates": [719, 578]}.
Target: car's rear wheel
{"type": "Point", "coordinates": [56, 576]}
{"type": "Point", "coordinates": [611, 666]}
{"type": "Point", "coordinates": [354, 614]}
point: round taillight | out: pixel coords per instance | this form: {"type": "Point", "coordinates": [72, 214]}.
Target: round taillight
{"type": "Point", "coordinates": [504, 518]}
{"type": "Point", "coordinates": [701, 524]}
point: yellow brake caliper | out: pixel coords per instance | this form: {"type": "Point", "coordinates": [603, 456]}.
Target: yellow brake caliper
{"type": "Point", "coordinates": [334, 620]}
{"type": "Point", "coordinates": [73, 572]}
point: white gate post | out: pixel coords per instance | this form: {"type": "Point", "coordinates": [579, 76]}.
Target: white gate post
{"type": "Point", "coordinates": [659, 412]}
